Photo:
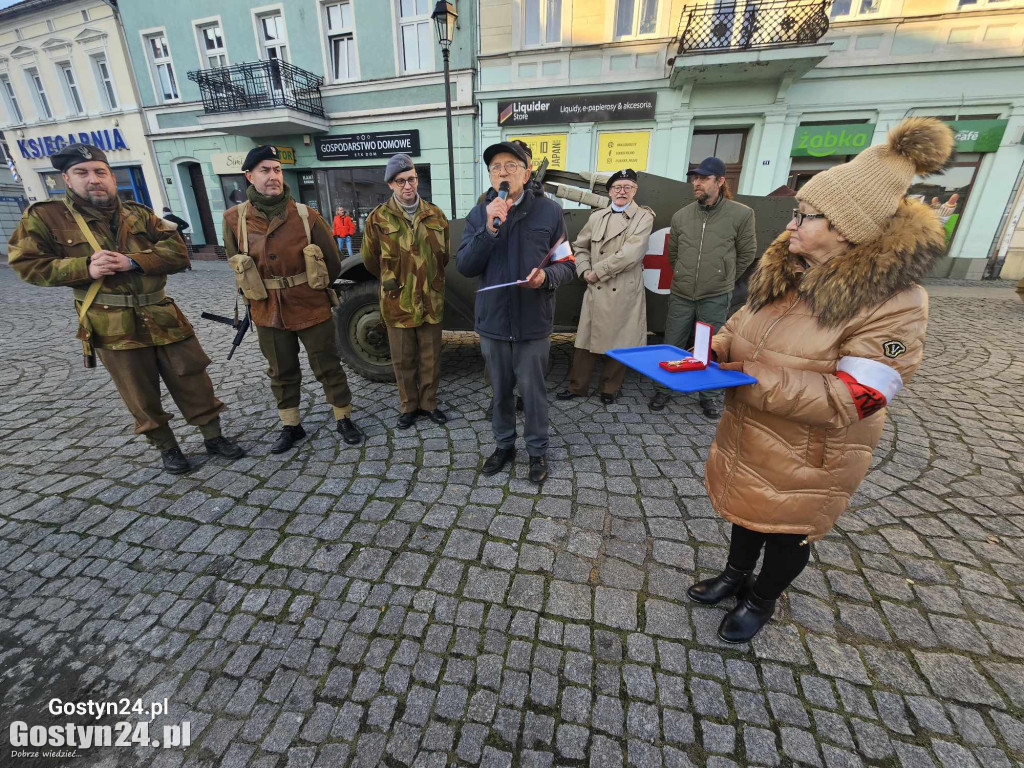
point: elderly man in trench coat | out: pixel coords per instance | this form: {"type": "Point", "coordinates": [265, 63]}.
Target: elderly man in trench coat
{"type": "Point", "coordinates": [609, 257]}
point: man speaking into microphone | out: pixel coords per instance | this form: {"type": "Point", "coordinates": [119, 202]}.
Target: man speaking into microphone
{"type": "Point", "coordinates": [518, 237]}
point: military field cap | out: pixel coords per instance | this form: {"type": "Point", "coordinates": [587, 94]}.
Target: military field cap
{"type": "Point", "coordinates": [523, 146]}
{"type": "Point", "coordinates": [258, 154]}
{"type": "Point", "coordinates": [627, 174]}
{"type": "Point", "coordinates": [397, 164]}
{"type": "Point", "coordinates": [511, 147]}
{"type": "Point", "coordinates": [73, 154]}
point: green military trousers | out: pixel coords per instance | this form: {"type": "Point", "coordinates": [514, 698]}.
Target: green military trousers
{"type": "Point", "coordinates": [182, 365]}
{"type": "Point", "coordinates": [281, 348]}
{"type": "Point", "coordinates": [683, 314]}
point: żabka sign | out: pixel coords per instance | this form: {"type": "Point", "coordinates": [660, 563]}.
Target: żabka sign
{"type": "Point", "coordinates": [829, 140]}
{"type": "Point", "coordinates": [107, 140]}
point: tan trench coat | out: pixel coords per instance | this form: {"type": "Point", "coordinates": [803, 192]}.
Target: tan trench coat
{"type": "Point", "coordinates": [613, 245]}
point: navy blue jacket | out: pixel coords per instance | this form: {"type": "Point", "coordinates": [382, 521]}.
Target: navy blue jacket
{"type": "Point", "coordinates": [532, 229]}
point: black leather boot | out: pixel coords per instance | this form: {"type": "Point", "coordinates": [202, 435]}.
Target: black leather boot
{"type": "Point", "coordinates": [289, 435]}
{"type": "Point", "coordinates": [746, 619]}
{"type": "Point", "coordinates": [174, 461]}
{"type": "Point", "coordinates": [726, 584]}
{"type": "Point", "coordinates": [349, 432]}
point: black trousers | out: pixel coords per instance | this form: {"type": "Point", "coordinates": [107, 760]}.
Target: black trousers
{"type": "Point", "coordinates": [784, 558]}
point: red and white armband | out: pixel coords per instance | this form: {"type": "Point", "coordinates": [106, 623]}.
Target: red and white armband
{"type": "Point", "coordinates": [872, 384]}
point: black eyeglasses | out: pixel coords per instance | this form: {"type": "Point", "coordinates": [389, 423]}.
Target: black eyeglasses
{"type": "Point", "coordinates": [799, 216]}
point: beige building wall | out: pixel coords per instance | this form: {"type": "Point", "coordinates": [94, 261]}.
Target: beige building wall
{"type": "Point", "coordinates": [76, 33]}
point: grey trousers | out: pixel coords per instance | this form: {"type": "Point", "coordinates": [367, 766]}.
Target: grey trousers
{"type": "Point", "coordinates": [522, 362]}
{"type": "Point", "coordinates": [683, 314]}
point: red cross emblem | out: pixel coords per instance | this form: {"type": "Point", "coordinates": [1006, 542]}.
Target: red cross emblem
{"type": "Point", "coordinates": [657, 270]}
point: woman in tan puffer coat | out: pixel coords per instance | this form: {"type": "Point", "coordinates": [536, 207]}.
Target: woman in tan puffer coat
{"type": "Point", "coordinates": [834, 327]}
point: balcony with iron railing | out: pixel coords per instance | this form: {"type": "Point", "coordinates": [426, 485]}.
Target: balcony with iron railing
{"type": "Point", "coordinates": [724, 38]}
{"type": "Point", "coordinates": [261, 98]}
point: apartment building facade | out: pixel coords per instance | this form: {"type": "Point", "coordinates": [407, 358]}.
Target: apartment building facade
{"type": "Point", "coordinates": [780, 90]}
{"type": "Point", "coordinates": [338, 85]}
{"type": "Point", "coordinates": [65, 77]}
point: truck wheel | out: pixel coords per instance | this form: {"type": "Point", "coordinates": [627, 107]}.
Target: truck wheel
{"type": "Point", "coordinates": [362, 336]}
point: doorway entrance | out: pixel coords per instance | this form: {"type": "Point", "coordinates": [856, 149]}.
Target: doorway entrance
{"type": "Point", "coordinates": [727, 145]}
{"type": "Point", "coordinates": [197, 202]}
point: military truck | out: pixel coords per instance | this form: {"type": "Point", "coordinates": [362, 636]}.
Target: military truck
{"type": "Point", "coordinates": [363, 339]}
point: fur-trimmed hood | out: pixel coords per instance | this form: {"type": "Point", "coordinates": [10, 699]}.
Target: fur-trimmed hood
{"type": "Point", "coordinates": [865, 276]}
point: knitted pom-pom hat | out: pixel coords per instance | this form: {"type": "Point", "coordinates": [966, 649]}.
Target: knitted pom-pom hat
{"type": "Point", "coordinates": [858, 197]}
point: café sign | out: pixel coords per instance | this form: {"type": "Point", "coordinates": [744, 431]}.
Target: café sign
{"type": "Point", "coordinates": [228, 163]}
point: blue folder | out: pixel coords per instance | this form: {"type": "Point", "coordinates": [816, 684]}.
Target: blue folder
{"type": "Point", "coordinates": [645, 360]}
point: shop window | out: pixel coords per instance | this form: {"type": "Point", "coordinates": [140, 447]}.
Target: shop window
{"type": "Point", "coordinates": [341, 44]}
{"type": "Point", "coordinates": [13, 109]}
{"type": "Point", "coordinates": [947, 192]}
{"type": "Point", "coordinates": [542, 22]}
{"type": "Point", "coordinates": [971, 4]}
{"type": "Point", "coordinates": [213, 52]}
{"type": "Point", "coordinates": [634, 18]}
{"type": "Point", "coordinates": [71, 92]}
{"type": "Point", "coordinates": [162, 67]}
{"type": "Point", "coordinates": [416, 35]}
{"type": "Point", "coordinates": [361, 189]}
{"type": "Point", "coordinates": [233, 186]}
{"type": "Point", "coordinates": [131, 184]}
{"type": "Point", "coordinates": [104, 80]}
{"type": "Point", "coordinates": [848, 9]}
{"type": "Point", "coordinates": [35, 84]}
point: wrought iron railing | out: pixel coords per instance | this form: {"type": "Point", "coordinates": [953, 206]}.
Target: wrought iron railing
{"type": "Point", "coordinates": [734, 25]}
{"type": "Point", "coordinates": [259, 85]}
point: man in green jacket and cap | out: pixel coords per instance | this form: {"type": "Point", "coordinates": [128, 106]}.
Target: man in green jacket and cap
{"type": "Point", "coordinates": [712, 240]}
{"type": "Point", "coordinates": [116, 255]}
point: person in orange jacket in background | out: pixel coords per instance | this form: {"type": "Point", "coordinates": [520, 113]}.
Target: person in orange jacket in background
{"type": "Point", "coordinates": [344, 228]}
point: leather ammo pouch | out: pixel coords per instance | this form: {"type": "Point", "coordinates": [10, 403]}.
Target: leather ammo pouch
{"type": "Point", "coordinates": [247, 276]}
{"type": "Point", "coordinates": [316, 267]}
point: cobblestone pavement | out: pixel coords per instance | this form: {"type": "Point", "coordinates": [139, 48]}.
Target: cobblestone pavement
{"type": "Point", "coordinates": [387, 605]}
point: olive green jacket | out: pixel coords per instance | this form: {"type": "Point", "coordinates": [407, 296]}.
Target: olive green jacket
{"type": "Point", "coordinates": [409, 258]}
{"type": "Point", "coordinates": [709, 247]}
{"type": "Point", "coordinates": [48, 249]}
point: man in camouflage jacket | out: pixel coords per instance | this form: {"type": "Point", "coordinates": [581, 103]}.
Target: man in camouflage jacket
{"type": "Point", "coordinates": [406, 246]}
{"type": "Point", "coordinates": [137, 331]}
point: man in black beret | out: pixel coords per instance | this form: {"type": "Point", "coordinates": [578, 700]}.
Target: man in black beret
{"type": "Point", "coordinates": [116, 255]}
{"type": "Point", "coordinates": [285, 258]}
{"type": "Point", "coordinates": [609, 254]}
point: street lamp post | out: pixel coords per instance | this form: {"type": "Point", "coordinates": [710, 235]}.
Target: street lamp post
{"type": "Point", "coordinates": [444, 17]}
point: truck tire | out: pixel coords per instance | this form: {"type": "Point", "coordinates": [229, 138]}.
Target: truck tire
{"type": "Point", "coordinates": [361, 334]}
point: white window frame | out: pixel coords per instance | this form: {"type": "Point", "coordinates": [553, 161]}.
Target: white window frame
{"type": "Point", "coordinates": [634, 33]}
{"type": "Point", "coordinates": [35, 86]}
{"type": "Point", "coordinates": [102, 82]}
{"type": "Point", "coordinates": [72, 89]}
{"type": "Point", "coordinates": [198, 26]}
{"type": "Point", "coordinates": [543, 8]}
{"type": "Point", "coordinates": [856, 11]}
{"type": "Point", "coordinates": [986, 4]}
{"type": "Point", "coordinates": [154, 65]}
{"type": "Point", "coordinates": [401, 22]}
{"type": "Point", "coordinates": [258, 14]}
{"type": "Point", "coordinates": [328, 38]}
{"type": "Point", "coordinates": [11, 99]}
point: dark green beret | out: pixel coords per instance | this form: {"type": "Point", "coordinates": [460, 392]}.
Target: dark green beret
{"type": "Point", "coordinates": [258, 154]}
{"type": "Point", "coordinates": [73, 154]}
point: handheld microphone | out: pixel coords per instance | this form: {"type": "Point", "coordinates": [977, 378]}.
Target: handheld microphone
{"type": "Point", "coordinates": [503, 194]}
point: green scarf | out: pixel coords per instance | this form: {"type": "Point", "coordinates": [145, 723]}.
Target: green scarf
{"type": "Point", "coordinates": [108, 214]}
{"type": "Point", "coordinates": [269, 205]}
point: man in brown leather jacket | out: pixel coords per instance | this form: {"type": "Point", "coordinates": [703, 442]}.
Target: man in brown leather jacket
{"type": "Point", "coordinates": [135, 329]}
{"type": "Point", "coordinates": [274, 234]}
